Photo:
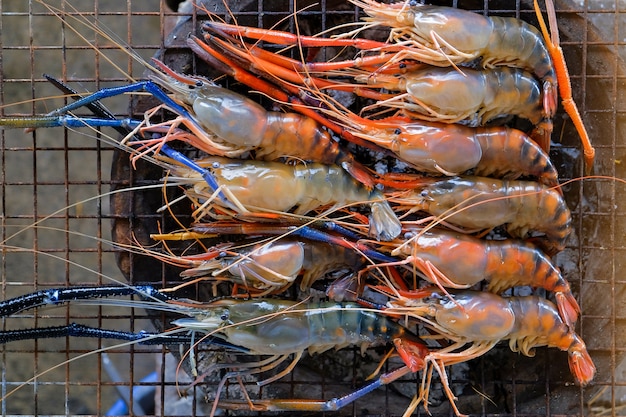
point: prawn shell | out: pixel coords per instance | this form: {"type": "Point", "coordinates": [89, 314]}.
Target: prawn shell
{"type": "Point", "coordinates": [480, 95]}
{"type": "Point", "coordinates": [452, 25]}
{"type": "Point", "coordinates": [436, 146]}
{"type": "Point", "coordinates": [484, 316]}
{"type": "Point", "coordinates": [480, 203]}
{"type": "Point", "coordinates": [265, 326]}
{"type": "Point", "coordinates": [230, 116]}
{"type": "Point", "coordinates": [275, 327]}
{"type": "Point", "coordinates": [244, 180]}
{"type": "Point", "coordinates": [465, 261]}
{"type": "Point", "coordinates": [448, 91]}
{"type": "Point", "coordinates": [279, 262]}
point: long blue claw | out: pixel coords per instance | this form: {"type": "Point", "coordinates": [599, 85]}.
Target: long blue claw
{"type": "Point", "coordinates": [334, 227]}
{"type": "Point", "coordinates": [142, 337]}
{"type": "Point", "coordinates": [58, 118]}
{"type": "Point", "coordinates": [147, 86]}
{"type": "Point", "coordinates": [205, 173]}
{"type": "Point", "coordinates": [66, 121]}
{"type": "Point", "coordinates": [319, 236]}
{"type": "Point", "coordinates": [333, 404]}
{"type": "Point", "coordinates": [56, 296]}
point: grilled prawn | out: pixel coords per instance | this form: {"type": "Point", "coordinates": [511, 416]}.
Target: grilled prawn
{"type": "Point", "coordinates": [280, 328]}
{"type": "Point", "coordinates": [270, 266]}
{"type": "Point", "coordinates": [459, 261]}
{"type": "Point", "coordinates": [233, 125]}
{"type": "Point", "coordinates": [485, 203]}
{"type": "Point", "coordinates": [275, 187]}
{"type": "Point", "coordinates": [484, 319]}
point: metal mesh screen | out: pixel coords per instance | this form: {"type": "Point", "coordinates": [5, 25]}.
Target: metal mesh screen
{"type": "Point", "coordinates": [55, 230]}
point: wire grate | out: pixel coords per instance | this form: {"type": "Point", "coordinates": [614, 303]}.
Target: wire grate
{"type": "Point", "coordinates": [44, 172]}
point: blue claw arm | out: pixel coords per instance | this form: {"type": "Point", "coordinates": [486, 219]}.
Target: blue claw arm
{"type": "Point", "coordinates": [66, 121]}
{"type": "Point", "coordinates": [56, 296]}
{"type": "Point", "coordinates": [333, 404]}
{"type": "Point", "coordinates": [319, 236]}
{"type": "Point", "coordinates": [106, 118]}
{"type": "Point", "coordinates": [147, 86]}
{"type": "Point", "coordinates": [205, 173]}
{"type": "Point", "coordinates": [79, 330]}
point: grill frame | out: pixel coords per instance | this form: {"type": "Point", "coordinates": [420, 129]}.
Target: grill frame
{"type": "Point", "coordinates": [590, 263]}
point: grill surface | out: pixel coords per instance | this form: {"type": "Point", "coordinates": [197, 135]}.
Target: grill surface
{"type": "Point", "coordinates": [46, 246]}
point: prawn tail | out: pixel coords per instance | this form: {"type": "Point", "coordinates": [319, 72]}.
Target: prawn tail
{"type": "Point", "coordinates": [542, 133]}
{"type": "Point", "coordinates": [550, 98]}
{"type": "Point", "coordinates": [568, 307]}
{"type": "Point", "coordinates": [551, 245]}
{"type": "Point", "coordinates": [580, 363]}
{"type": "Point", "coordinates": [384, 225]}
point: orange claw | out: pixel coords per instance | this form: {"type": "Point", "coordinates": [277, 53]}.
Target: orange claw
{"type": "Point", "coordinates": [413, 353]}
{"type": "Point", "coordinates": [565, 86]}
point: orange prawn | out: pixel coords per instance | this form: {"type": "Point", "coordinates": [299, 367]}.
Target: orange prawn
{"type": "Point", "coordinates": [452, 149]}
{"type": "Point", "coordinates": [424, 93]}
{"type": "Point", "coordinates": [445, 36]}
{"type": "Point", "coordinates": [459, 261]}
{"type": "Point", "coordinates": [483, 319]}
{"type": "Point", "coordinates": [474, 96]}
{"type": "Point", "coordinates": [435, 35]}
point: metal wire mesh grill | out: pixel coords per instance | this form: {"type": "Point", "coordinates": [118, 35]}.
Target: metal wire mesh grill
{"type": "Point", "coordinates": [46, 171]}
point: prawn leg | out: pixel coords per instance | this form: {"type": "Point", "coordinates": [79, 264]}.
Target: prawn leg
{"type": "Point", "coordinates": [265, 64]}
{"type": "Point", "coordinates": [72, 121]}
{"type": "Point", "coordinates": [286, 38]}
{"type": "Point", "coordinates": [305, 232]}
{"type": "Point", "coordinates": [565, 86]}
{"type": "Point", "coordinates": [386, 51]}
{"type": "Point", "coordinates": [244, 228]}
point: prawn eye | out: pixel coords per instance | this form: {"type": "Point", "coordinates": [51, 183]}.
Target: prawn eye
{"type": "Point", "coordinates": [224, 316]}
{"type": "Point", "coordinates": [434, 298]}
{"type": "Point", "coordinates": [448, 185]}
{"type": "Point", "coordinates": [199, 83]}
{"type": "Point", "coordinates": [424, 193]}
{"type": "Point", "coordinates": [215, 165]}
{"type": "Point", "coordinates": [397, 131]}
